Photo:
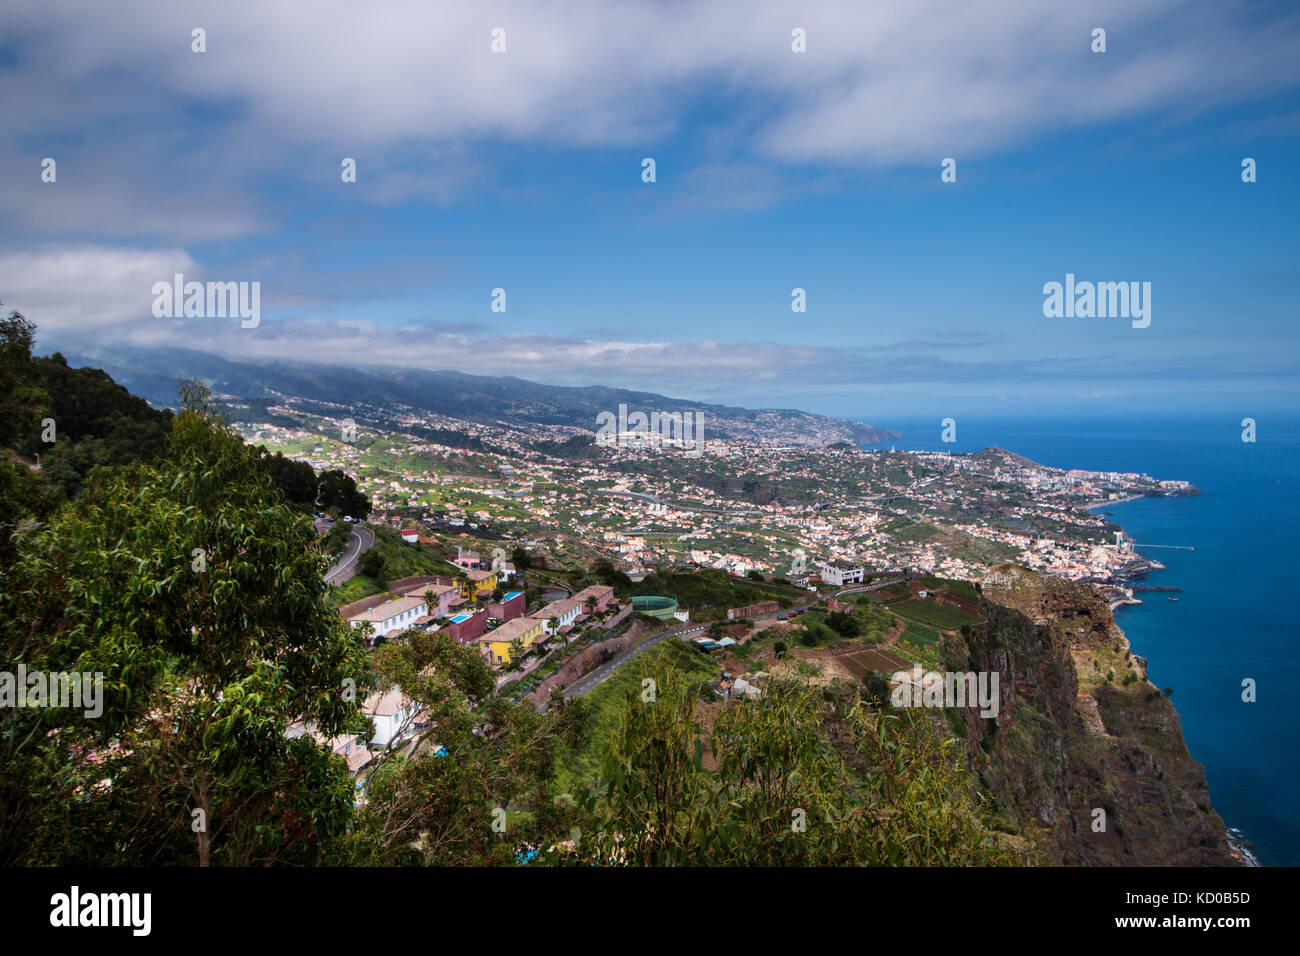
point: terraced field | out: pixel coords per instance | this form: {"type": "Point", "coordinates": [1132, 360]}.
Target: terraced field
{"type": "Point", "coordinates": [861, 663]}
{"type": "Point", "coordinates": [930, 612]}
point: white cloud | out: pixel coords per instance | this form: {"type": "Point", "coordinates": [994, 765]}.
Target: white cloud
{"type": "Point", "coordinates": [72, 289]}
{"type": "Point", "coordinates": [880, 83]}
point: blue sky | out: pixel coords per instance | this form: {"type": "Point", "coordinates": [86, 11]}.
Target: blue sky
{"type": "Point", "coordinates": [775, 170]}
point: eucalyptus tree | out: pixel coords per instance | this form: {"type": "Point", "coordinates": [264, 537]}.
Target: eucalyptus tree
{"type": "Point", "coordinates": [194, 592]}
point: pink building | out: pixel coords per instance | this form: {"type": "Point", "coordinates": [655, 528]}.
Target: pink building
{"type": "Point", "coordinates": [467, 560]}
{"type": "Point", "coordinates": [444, 595]}
{"type": "Point", "coordinates": [602, 594]}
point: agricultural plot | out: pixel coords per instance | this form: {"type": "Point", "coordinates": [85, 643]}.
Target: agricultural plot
{"type": "Point", "coordinates": [929, 612]}
{"type": "Point", "coordinates": [861, 663]}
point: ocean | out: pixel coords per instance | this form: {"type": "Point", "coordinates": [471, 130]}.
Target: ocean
{"type": "Point", "coordinates": [1237, 613]}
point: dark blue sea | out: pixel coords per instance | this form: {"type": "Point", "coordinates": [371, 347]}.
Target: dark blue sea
{"type": "Point", "coordinates": [1237, 616]}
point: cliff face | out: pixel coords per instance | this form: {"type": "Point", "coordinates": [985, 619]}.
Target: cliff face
{"type": "Point", "coordinates": [1080, 728]}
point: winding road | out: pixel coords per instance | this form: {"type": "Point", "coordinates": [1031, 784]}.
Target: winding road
{"type": "Point", "coordinates": [360, 540]}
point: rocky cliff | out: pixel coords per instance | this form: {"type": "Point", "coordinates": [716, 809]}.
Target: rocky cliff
{"type": "Point", "coordinates": [1080, 729]}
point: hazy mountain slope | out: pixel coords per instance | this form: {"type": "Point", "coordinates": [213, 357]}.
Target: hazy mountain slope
{"type": "Point", "coordinates": [154, 375]}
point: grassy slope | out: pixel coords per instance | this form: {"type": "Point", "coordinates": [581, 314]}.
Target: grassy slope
{"type": "Point", "coordinates": [400, 560]}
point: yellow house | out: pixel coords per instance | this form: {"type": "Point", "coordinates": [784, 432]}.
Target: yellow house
{"type": "Point", "coordinates": [478, 582]}
{"type": "Point", "coordinates": [529, 630]}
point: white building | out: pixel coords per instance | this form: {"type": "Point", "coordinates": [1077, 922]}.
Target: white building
{"type": "Point", "coordinates": [843, 573]}
{"type": "Point", "coordinates": [391, 711]}
{"type": "Point", "coordinates": [565, 611]}
{"type": "Point", "coordinates": [391, 616]}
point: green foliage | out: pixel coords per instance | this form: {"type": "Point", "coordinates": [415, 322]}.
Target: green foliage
{"type": "Point", "coordinates": [580, 767]}
{"type": "Point", "coordinates": [295, 479]}
{"type": "Point", "coordinates": [929, 612]}
{"type": "Point", "coordinates": [400, 560]}
{"type": "Point", "coordinates": [605, 573]}
{"type": "Point", "coordinates": [21, 399]}
{"type": "Point", "coordinates": [92, 421]}
{"type": "Point", "coordinates": [432, 810]}
{"type": "Point", "coordinates": [801, 777]}
{"type": "Point", "coordinates": [876, 690]}
{"type": "Point", "coordinates": [963, 588]}
{"type": "Point", "coordinates": [844, 624]}
{"type": "Point", "coordinates": [815, 633]}
{"type": "Point", "coordinates": [195, 592]}
{"type": "Point", "coordinates": [26, 500]}
{"type": "Point", "coordinates": [371, 564]}
{"type": "Point", "coordinates": [708, 593]}
{"type": "Point", "coordinates": [337, 491]}
{"type": "Point", "coordinates": [336, 539]}
{"type": "Point", "coordinates": [920, 633]}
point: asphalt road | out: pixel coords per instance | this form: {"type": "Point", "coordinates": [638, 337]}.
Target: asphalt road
{"type": "Point", "coordinates": [360, 540]}
{"type": "Point", "coordinates": [584, 685]}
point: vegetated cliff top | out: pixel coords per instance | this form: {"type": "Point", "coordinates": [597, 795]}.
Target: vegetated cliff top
{"type": "Point", "coordinates": [1082, 730]}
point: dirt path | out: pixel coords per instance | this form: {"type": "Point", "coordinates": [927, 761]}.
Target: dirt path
{"type": "Point", "coordinates": [894, 634]}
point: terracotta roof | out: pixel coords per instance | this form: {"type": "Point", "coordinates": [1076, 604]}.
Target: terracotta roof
{"type": "Point", "coordinates": [385, 704]}
{"type": "Point", "coordinates": [437, 589]}
{"type": "Point", "coordinates": [510, 630]}
{"type": "Point", "coordinates": [557, 608]}
{"type": "Point", "coordinates": [382, 612]}
{"type": "Point", "coordinates": [347, 611]}
{"type": "Point", "coordinates": [359, 757]}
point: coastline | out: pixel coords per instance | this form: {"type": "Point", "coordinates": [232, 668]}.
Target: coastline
{"type": "Point", "coordinates": [1238, 844]}
{"type": "Point", "coordinates": [1240, 847]}
{"type": "Point", "coordinates": [1114, 501]}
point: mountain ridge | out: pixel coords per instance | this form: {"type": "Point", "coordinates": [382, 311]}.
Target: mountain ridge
{"type": "Point", "coordinates": [483, 399]}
